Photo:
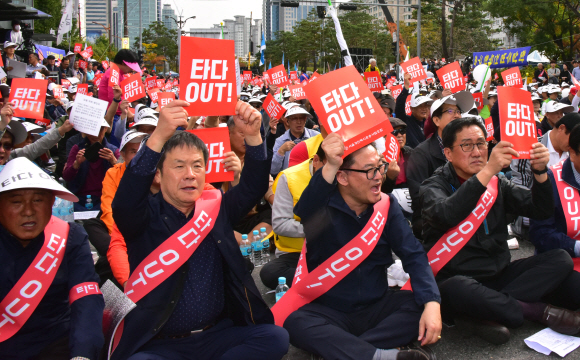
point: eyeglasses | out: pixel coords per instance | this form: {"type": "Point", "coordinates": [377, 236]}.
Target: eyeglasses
{"type": "Point", "coordinates": [469, 147]}
{"type": "Point", "coordinates": [372, 172]}
{"type": "Point", "coordinates": [297, 118]}
{"type": "Point", "coordinates": [453, 112]}
{"type": "Point", "coordinates": [399, 131]}
{"type": "Point", "coordinates": [6, 146]}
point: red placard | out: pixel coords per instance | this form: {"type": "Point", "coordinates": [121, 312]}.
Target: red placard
{"type": "Point", "coordinates": [28, 97]}
{"type": "Point", "coordinates": [133, 88]}
{"type": "Point", "coordinates": [208, 70]}
{"type": "Point", "coordinates": [42, 122]}
{"type": "Point", "coordinates": [247, 75]}
{"type": "Point", "coordinates": [451, 77]}
{"type": "Point", "coordinates": [159, 83]}
{"type": "Point", "coordinates": [83, 64]}
{"type": "Point", "coordinates": [415, 68]}
{"type": "Point", "coordinates": [83, 89]}
{"type": "Point", "coordinates": [85, 54]}
{"type": "Point", "coordinates": [314, 76]}
{"type": "Point", "coordinates": [396, 91]}
{"type": "Point", "coordinates": [304, 83]}
{"type": "Point", "coordinates": [512, 77]}
{"type": "Point", "coordinates": [495, 76]}
{"type": "Point", "coordinates": [97, 79]}
{"type": "Point", "coordinates": [105, 64]}
{"type": "Point", "coordinates": [297, 92]}
{"type": "Point", "coordinates": [168, 86]}
{"type": "Point", "coordinates": [78, 48]}
{"type": "Point", "coordinates": [266, 76]}
{"type": "Point", "coordinates": [150, 82]}
{"type": "Point", "coordinates": [57, 91]}
{"type": "Point", "coordinates": [217, 141]}
{"type": "Point", "coordinates": [516, 115]}
{"type": "Point", "coordinates": [489, 128]}
{"type": "Point", "coordinates": [293, 75]}
{"type": "Point", "coordinates": [65, 83]}
{"type": "Point", "coordinates": [408, 105]}
{"type": "Point", "coordinates": [346, 106]}
{"type": "Point", "coordinates": [153, 94]}
{"type": "Point", "coordinates": [165, 98]}
{"type": "Point", "coordinates": [392, 145]}
{"type": "Point", "coordinates": [89, 50]}
{"type": "Point", "coordinates": [374, 81]}
{"type": "Point", "coordinates": [278, 76]}
{"type": "Point", "coordinates": [478, 99]}
{"type": "Point", "coordinates": [114, 75]}
{"type": "Point", "coordinates": [273, 108]}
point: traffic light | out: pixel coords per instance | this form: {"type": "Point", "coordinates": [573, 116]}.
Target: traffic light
{"type": "Point", "coordinates": [289, 3]}
{"type": "Point", "coordinates": [347, 7]}
{"type": "Point", "coordinates": [321, 10]}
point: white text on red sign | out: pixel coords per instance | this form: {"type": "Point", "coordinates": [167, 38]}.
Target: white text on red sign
{"type": "Point", "coordinates": [519, 120]}
{"type": "Point", "coordinates": [208, 69]}
{"type": "Point", "coordinates": [340, 99]}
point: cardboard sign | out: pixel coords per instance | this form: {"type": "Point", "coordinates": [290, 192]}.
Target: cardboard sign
{"type": "Point", "coordinates": [346, 106]}
{"type": "Point", "coordinates": [478, 99]}
{"type": "Point", "coordinates": [451, 77]}
{"type": "Point", "coordinates": [83, 89]}
{"type": "Point", "coordinates": [87, 114]}
{"type": "Point", "coordinates": [165, 98]}
{"type": "Point", "coordinates": [78, 48]}
{"type": "Point", "coordinates": [97, 79]}
{"type": "Point", "coordinates": [247, 75]}
{"type": "Point", "coordinates": [217, 141]}
{"type": "Point", "coordinates": [516, 115]}
{"type": "Point", "coordinates": [273, 108]}
{"type": "Point", "coordinates": [297, 92]}
{"type": "Point", "coordinates": [168, 86]}
{"type": "Point", "coordinates": [105, 64]}
{"type": "Point", "coordinates": [415, 68]}
{"type": "Point", "coordinates": [89, 50]}
{"type": "Point", "coordinates": [512, 77]}
{"type": "Point", "coordinates": [65, 83]}
{"type": "Point", "coordinates": [85, 54]}
{"type": "Point", "coordinates": [495, 76]}
{"type": "Point", "coordinates": [278, 76]}
{"type": "Point", "coordinates": [374, 81]}
{"type": "Point", "coordinates": [42, 122]}
{"type": "Point", "coordinates": [57, 91]}
{"type": "Point", "coordinates": [83, 64]}
{"type": "Point", "coordinates": [392, 145]}
{"type": "Point", "coordinates": [293, 75]}
{"type": "Point", "coordinates": [396, 91]}
{"type": "Point", "coordinates": [489, 128]}
{"type": "Point", "coordinates": [153, 94]}
{"type": "Point", "coordinates": [133, 88]}
{"type": "Point", "coordinates": [208, 70]}
{"type": "Point", "coordinates": [150, 82]}
{"type": "Point", "coordinates": [314, 76]}
{"type": "Point", "coordinates": [304, 83]}
{"type": "Point", "coordinates": [115, 75]}
{"type": "Point", "coordinates": [28, 97]}
{"type": "Point", "coordinates": [408, 105]}
{"type": "Point", "coordinates": [159, 83]}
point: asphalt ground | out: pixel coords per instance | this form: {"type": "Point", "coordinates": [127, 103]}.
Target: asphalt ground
{"type": "Point", "coordinates": [455, 345]}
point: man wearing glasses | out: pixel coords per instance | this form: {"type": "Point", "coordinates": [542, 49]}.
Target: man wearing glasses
{"type": "Point", "coordinates": [419, 112]}
{"type": "Point", "coordinates": [481, 290]}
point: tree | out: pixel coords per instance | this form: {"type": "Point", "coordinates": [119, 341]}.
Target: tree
{"type": "Point", "coordinates": [54, 9]}
{"type": "Point", "coordinates": [103, 48]}
{"type": "Point", "coordinates": [165, 39]}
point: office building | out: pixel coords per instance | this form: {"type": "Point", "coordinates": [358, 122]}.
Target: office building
{"type": "Point", "coordinates": [148, 15]}
{"type": "Point", "coordinates": [167, 16]}
{"type": "Point", "coordinates": [97, 19]}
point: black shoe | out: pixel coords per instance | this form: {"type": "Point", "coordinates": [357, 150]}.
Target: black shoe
{"type": "Point", "coordinates": [413, 352]}
{"type": "Point", "coordinates": [489, 331]}
{"type": "Point", "coordinates": [564, 321]}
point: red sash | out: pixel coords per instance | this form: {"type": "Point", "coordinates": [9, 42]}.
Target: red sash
{"type": "Point", "coordinates": [570, 200]}
{"type": "Point", "coordinates": [25, 296]}
{"type": "Point", "coordinates": [334, 269]}
{"type": "Point", "coordinates": [456, 238]}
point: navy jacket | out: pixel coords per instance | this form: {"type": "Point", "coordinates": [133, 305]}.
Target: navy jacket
{"type": "Point", "coordinates": [551, 233]}
{"type": "Point", "coordinates": [54, 318]}
{"type": "Point", "coordinates": [329, 224]}
{"type": "Point", "coordinates": [415, 134]}
{"type": "Point", "coordinates": [141, 220]}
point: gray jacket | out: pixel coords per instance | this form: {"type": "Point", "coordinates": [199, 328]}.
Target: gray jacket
{"type": "Point", "coordinates": [38, 147]}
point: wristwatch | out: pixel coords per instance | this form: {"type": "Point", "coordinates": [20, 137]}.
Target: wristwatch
{"type": "Point", "coordinates": [540, 172]}
{"type": "Point", "coordinates": [117, 101]}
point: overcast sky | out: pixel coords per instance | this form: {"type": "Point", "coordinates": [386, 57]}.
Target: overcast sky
{"type": "Point", "coordinates": [210, 12]}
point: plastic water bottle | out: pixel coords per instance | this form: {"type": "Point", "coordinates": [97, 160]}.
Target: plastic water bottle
{"type": "Point", "coordinates": [265, 246]}
{"type": "Point", "coordinates": [246, 248]}
{"type": "Point", "coordinates": [63, 210]}
{"type": "Point", "coordinates": [257, 249]}
{"type": "Point", "coordinates": [89, 203]}
{"type": "Point", "coordinates": [281, 288]}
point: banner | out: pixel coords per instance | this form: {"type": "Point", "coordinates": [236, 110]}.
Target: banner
{"type": "Point", "coordinates": [392, 145]}
{"type": "Point", "coordinates": [346, 106]}
{"type": "Point", "coordinates": [272, 107]}
{"type": "Point", "coordinates": [28, 97]}
{"type": "Point", "coordinates": [489, 128]}
{"type": "Point", "coordinates": [165, 98]}
{"type": "Point", "coordinates": [208, 76]}
{"type": "Point", "coordinates": [512, 77]}
{"type": "Point", "coordinates": [133, 88]}
{"type": "Point", "coordinates": [65, 21]}
{"type": "Point", "coordinates": [47, 50]}
{"type": "Point", "coordinates": [415, 68]}
{"type": "Point", "coordinates": [278, 76]}
{"type": "Point", "coordinates": [83, 89]}
{"type": "Point", "coordinates": [516, 115]}
{"type": "Point", "coordinates": [89, 50]}
{"type": "Point", "coordinates": [374, 81]}
{"type": "Point", "coordinates": [297, 92]}
{"type": "Point", "coordinates": [65, 83]}
{"type": "Point", "coordinates": [396, 91]}
{"type": "Point", "coordinates": [503, 58]}
{"type": "Point", "coordinates": [115, 75]}
{"type": "Point", "coordinates": [159, 83]}
{"type": "Point", "coordinates": [451, 77]}
{"type": "Point", "coordinates": [57, 91]}
{"type": "Point", "coordinates": [217, 141]}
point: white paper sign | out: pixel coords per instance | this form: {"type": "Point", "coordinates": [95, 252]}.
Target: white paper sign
{"type": "Point", "coordinates": [86, 215]}
{"type": "Point", "coordinates": [2, 73]}
{"type": "Point", "coordinates": [548, 340]}
{"type": "Point", "coordinates": [87, 114]}
{"type": "Point", "coordinates": [238, 80]}
{"type": "Point", "coordinates": [38, 75]}
{"type": "Point", "coordinates": [18, 68]}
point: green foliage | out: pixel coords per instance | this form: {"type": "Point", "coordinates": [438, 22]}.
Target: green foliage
{"type": "Point", "coordinates": [103, 48]}
{"type": "Point", "coordinates": [165, 39]}
{"type": "Point", "coordinates": [51, 7]}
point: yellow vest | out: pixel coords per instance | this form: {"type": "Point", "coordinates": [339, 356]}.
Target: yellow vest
{"type": "Point", "coordinates": [298, 177]}
{"type": "Point", "coordinates": [312, 145]}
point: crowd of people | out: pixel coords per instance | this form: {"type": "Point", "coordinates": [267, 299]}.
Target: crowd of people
{"type": "Point", "coordinates": [172, 240]}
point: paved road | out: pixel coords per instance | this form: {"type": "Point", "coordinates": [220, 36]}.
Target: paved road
{"type": "Point", "coordinates": [457, 346]}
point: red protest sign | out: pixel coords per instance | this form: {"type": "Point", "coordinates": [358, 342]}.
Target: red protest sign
{"type": "Point", "coordinates": [105, 64]}
{"type": "Point", "coordinates": [451, 77]}
{"type": "Point", "coordinates": [512, 77]}
{"type": "Point", "coordinates": [478, 99]}
{"type": "Point", "coordinates": [278, 76]}
{"type": "Point", "coordinates": [392, 152]}
{"type": "Point", "coordinates": [150, 82]}
{"type": "Point", "coordinates": [133, 88]}
{"type": "Point", "coordinates": [495, 76]}
{"type": "Point", "coordinates": [208, 71]}
{"type": "Point", "coordinates": [57, 91]}
{"type": "Point", "coordinates": [85, 54]}
{"type": "Point", "coordinates": [415, 68]}
{"type": "Point", "coordinates": [153, 94]}
{"type": "Point", "coordinates": [314, 76]}
{"type": "Point", "coordinates": [408, 105]}
{"type": "Point", "coordinates": [65, 83]}
{"type": "Point", "coordinates": [297, 92]}
{"type": "Point", "coordinates": [83, 89]}
{"type": "Point", "coordinates": [374, 81]}
{"type": "Point", "coordinates": [89, 50]}
{"type": "Point", "coordinates": [273, 108]}
{"type": "Point", "coordinates": [293, 75]}
{"type": "Point", "coordinates": [83, 64]}
{"type": "Point", "coordinates": [346, 106]}
{"type": "Point", "coordinates": [304, 83]}
{"type": "Point", "coordinates": [217, 141]}
{"type": "Point", "coordinates": [78, 48]}
{"type": "Point", "coordinates": [159, 83]}
{"type": "Point", "coordinates": [97, 79]}
{"type": "Point", "coordinates": [42, 122]}
{"type": "Point", "coordinates": [489, 128]}
{"type": "Point", "coordinates": [28, 97]}
{"type": "Point", "coordinates": [168, 86]}
{"type": "Point", "coordinates": [516, 115]}
{"type": "Point", "coordinates": [266, 76]}
{"type": "Point", "coordinates": [396, 91]}
{"type": "Point", "coordinates": [114, 75]}
{"type": "Point", "coordinates": [165, 98]}
{"type": "Point", "coordinates": [247, 75]}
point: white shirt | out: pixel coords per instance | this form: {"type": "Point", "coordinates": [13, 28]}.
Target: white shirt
{"type": "Point", "coordinates": [554, 156]}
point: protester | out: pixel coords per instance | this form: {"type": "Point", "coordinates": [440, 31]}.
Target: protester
{"type": "Point", "coordinates": [64, 71]}
{"type": "Point", "coordinates": [372, 66]}
{"type": "Point", "coordinates": [419, 111]}
{"type": "Point", "coordinates": [565, 75]}
{"type": "Point", "coordinates": [396, 175]}
{"type": "Point", "coordinates": [554, 112]}
{"type": "Point", "coordinates": [34, 65]}
{"type": "Point", "coordinates": [15, 35]}
{"type": "Point", "coordinates": [576, 70]}
{"type": "Point", "coordinates": [540, 74]}
{"type": "Point", "coordinates": [553, 73]}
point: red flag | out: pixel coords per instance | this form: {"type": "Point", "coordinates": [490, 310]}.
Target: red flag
{"type": "Point", "coordinates": [374, 81]}
{"type": "Point", "coordinates": [28, 97]}
{"type": "Point", "coordinates": [495, 76]}
{"type": "Point", "coordinates": [451, 77]}
{"type": "Point", "coordinates": [83, 89]}
{"type": "Point", "coordinates": [278, 76]}
{"type": "Point", "coordinates": [314, 76]}
{"type": "Point", "coordinates": [165, 98]}
{"type": "Point", "coordinates": [97, 79]}
{"type": "Point", "coordinates": [396, 91]}
{"type": "Point", "coordinates": [415, 68]}
{"type": "Point", "coordinates": [512, 77]}
{"type": "Point", "coordinates": [133, 88]}
{"type": "Point", "coordinates": [489, 128]}
{"type": "Point", "coordinates": [272, 107]}
{"type": "Point", "coordinates": [217, 141]}
{"type": "Point", "coordinates": [114, 75]}
{"type": "Point", "coordinates": [392, 145]}
{"type": "Point", "coordinates": [85, 54]}
{"type": "Point", "coordinates": [516, 114]}
{"type": "Point", "coordinates": [297, 92]}
{"type": "Point", "coordinates": [89, 50]}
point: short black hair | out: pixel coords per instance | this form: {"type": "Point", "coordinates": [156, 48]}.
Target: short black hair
{"type": "Point", "coordinates": [348, 161]}
{"type": "Point", "coordinates": [570, 120]}
{"type": "Point", "coordinates": [574, 141]}
{"type": "Point", "coordinates": [181, 139]}
{"type": "Point", "coordinates": [126, 55]}
{"type": "Point", "coordinates": [321, 154]}
{"type": "Point", "coordinates": [35, 54]}
{"type": "Point", "coordinates": [450, 131]}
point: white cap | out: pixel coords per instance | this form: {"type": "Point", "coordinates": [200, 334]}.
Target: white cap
{"type": "Point", "coordinates": [131, 136]}
{"type": "Point", "coordinates": [287, 105]}
{"type": "Point", "coordinates": [69, 105]}
{"type": "Point", "coordinates": [463, 100]}
{"type": "Point", "coordinates": [492, 93]}
{"type": "Point", "coordinates": [72, 89]}
{"type": "Point", "coordinates": [30, 127]}
{"type": "Point", "coordinates": [553, 106]}
{"type": "Point", "coordinates": [147, 120]}
{"type": "Point", "coordinates": [73, 80]}
{"type": "Point", "coordinates": [142, 111]}
{"type": "Point", "coordinates": [565, 92]}
{"type": "Point", "coordinates": [535, 97]}
{"type": "Point", "coordinates": [553, 89]}
{"type": "Point", "coordinates": [32, 177]}
{"type": "Point", "coordinates": [9, 43]}
{"type": "Point", "coordinates": [255, 100]}
{"type": "Point", "coordinates": [417, 100]}
{"type": "Point", "coordinates": [297, 110]}
{"type": "Point", "coordinates": [565, 85]}
{"type": "Point", "coordinates": [17, 130]}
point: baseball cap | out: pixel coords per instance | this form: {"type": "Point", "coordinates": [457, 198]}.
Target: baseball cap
{"type": "Point", "coordinates": [417, 100]}
{"type": "Point", "coordinates": [463, 100]}
{"type": "Point", "coordinates": [8, 44]}
{"type": "Point", "coordinates": [17, 130]}
{"type": "Point", "coordinates": [131, 136]}
{"type": "Point", "coordinates": [388, 103]}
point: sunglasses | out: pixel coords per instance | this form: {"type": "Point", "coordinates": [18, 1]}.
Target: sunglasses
{"type": "Point", "coordinates": [399, 131]}
{"type": "Point", "coordinates": [6, 146]}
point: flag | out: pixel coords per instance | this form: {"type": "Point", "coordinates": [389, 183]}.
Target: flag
{"type": "Point", "coordinates": [343, 47]}
{"type": "Point", "coordinates": [65, 21]}
{"type": "Point", "coordinates": [334, 66]}
{"type": "Point", "coordinates": [296, 67]}
{"type": "Point", "coordinates": [222, 27]}
{"type": "Point", "coordinates": [262, 50]}
{"type": "Point", "coordinates": [288, 65]}
{"type": "Point", "coordinates": [407, 56]}
{"type": "Point", "coordinates": [270, 66]}
{"type": "Point", "coordinates": [282, 58]}
{"type": "Point", "coordinates": [154, 68]}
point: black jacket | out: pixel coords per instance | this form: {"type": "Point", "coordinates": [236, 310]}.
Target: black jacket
{"type": "Point", "coordinates": [389, 184]}
{"type": "Point", "coordinates": [446, 203]}
{"type": "Point", "coordinates": [415, 134]}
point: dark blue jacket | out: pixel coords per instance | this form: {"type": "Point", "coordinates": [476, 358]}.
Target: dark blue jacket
{"type": "Point", "coordinates": [145, 225]}
{"type": "Point", "coordinates": [329, 224]}
{"type": "Point", "coordinates": [551, 233]}
{"type": "Point", "coordinates": [54, 318]}
{"type": "Point", "coordinates": [75, 185]}
{"type": "Point", "coordinates": [415, 134]}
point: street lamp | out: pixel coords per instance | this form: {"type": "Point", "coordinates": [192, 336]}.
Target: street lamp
{"type": "Point", "coordinates": [180, 23]}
